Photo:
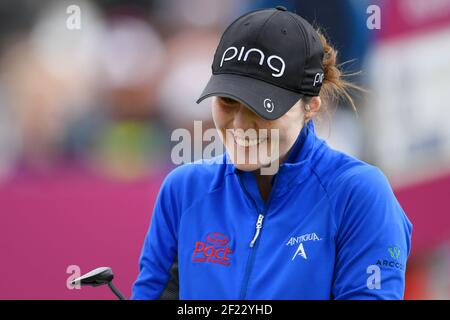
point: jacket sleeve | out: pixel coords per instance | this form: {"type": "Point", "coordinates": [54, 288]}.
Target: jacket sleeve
{"type": "Point", "coordinates": [372, 242]}
{"type": "Point", "coordinates": [160, 246]}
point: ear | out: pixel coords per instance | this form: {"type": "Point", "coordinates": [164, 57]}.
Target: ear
{"type": "Point", "coordinates": [314, 106]}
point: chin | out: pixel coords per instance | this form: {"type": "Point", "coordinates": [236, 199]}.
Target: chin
{"type": "Point", "coordinates": [251, 161]}
{"type": "Point", "coordinates": [247, 167]}
{"type": "Point", "coordinates": [247, 163]}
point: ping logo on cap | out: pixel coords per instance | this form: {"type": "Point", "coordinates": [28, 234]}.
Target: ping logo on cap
{"type": "Point", "coordinates": [267, 53]}
{"type": "Point", "coordinates": [231, 52]}
{"type": "Point", "coordinates": [318, 78]}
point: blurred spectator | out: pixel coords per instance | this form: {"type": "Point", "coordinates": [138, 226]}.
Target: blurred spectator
{"type": "Point", "coordinates": [174, 16]}
{"type": "Point", "coordinates": [9, 146]}
{"type": "Point", "coordinates": [47, 79]}
{"type": "Point", "coordinates": [188, 69]}
{"type": "Point", "coordinates": [123, 136]}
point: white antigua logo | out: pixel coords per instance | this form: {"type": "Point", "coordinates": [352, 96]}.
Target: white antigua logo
{"type": "Point", "coordinates": [268, 105]}
{"type": "Point", "coordinates": [300, 240]}
{"type": "Point", "coordinates": [300, 252]}
{"type": "Point", "coordinates": [303, 238]}
{"type": "Point", "coordinates": [243, 55]}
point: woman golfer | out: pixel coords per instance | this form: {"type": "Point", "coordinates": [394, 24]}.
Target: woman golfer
{"type": "Point", "coordinates": [323, 225]}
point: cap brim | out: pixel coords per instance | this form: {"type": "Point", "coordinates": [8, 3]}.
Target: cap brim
{"type": "Point", "coordinates": [266, 100]}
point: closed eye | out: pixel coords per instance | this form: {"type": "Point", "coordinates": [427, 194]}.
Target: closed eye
{"type": "Point", "coordinates": [228, 101]}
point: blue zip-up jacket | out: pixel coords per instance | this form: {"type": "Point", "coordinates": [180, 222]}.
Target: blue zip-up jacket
{"type": "Point", "coordinates": [331, 229]}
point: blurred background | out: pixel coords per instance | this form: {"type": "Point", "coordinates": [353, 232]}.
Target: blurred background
{"type": "Point", "coordinates": [87, 107]}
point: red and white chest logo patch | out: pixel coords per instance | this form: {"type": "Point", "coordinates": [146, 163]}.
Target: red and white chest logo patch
{"type": "Point", "coordinates": [214, 249]}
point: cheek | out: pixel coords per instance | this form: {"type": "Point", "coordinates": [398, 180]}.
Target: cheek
{"type": "Point", "coordinates": [288, 134]}
{"type": "Point", "coordinates": [222, 117]}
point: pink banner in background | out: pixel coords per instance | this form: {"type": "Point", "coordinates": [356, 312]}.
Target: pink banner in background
{"type": "Point", "coordinates": [427, 205]}
{"type": "Point", "coordinates": [67, 218]}
{"type": "Point", "coordinates": [401, 18]}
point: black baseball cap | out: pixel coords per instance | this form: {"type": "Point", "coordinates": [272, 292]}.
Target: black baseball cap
{"type": "Point", "coordinates": [268, 60]}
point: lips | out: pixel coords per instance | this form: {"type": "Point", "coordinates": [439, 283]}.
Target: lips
{"type": "Point", "coordinates": [247, 142]}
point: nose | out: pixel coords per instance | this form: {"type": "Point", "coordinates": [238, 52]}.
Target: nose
{"type": "Point", "coordinates": [244, 118]}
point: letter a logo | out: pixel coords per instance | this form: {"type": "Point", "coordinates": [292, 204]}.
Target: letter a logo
{"type": "Point", "coordinates": [300, 252]}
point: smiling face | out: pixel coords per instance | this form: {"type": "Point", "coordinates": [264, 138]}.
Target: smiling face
{"type": "Point", "coordinates": [250, 140]}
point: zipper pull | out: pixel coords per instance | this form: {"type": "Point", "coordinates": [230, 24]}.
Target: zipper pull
{"type": "Point", "coordinates": [258, 228]}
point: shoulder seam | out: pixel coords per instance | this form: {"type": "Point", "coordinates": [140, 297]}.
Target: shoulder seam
{"type": "Point", "coordinates": [327, 195]}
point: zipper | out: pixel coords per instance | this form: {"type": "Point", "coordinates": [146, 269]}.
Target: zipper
{"type": "Point", "coordinates": [248, 267]}
{"type": "Point", "coordinates": [258, 227]}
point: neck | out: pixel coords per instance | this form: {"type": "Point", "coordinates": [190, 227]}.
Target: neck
{"type": "Point", "coordinates": [264, 185]}
{"type": "Point", "coordinates": [264, 181]}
